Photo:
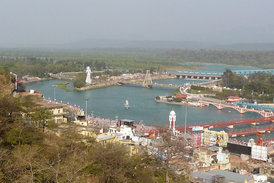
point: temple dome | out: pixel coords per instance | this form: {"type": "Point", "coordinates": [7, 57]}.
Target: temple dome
{"type": "Point", "coordinates": [172, 113]}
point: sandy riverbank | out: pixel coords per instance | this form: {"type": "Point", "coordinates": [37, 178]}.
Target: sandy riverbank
{"type": "Point", "coordinates": [96, 86]}
{"type": "Point", "coordinates": [116, 83]}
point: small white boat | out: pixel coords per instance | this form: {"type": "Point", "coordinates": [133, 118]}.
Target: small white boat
{"type": "Point", "coordinates": [126, 104]}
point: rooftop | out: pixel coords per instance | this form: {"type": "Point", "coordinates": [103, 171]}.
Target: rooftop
{"type": "Point", "coordinates": [105, 137]}
{"type": "Point", "coordinates": [229, 176]}
{"type": "Point", "coordinates": [127, 120]}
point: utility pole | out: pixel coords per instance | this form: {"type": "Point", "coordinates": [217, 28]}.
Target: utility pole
{"type": "Point", "coordinates": [54, 94]}
{"type": "Point", "coordinates": [185, 120]}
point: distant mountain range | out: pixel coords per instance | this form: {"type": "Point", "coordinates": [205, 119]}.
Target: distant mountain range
{"type": "Point", "coordinates": [97, 43]}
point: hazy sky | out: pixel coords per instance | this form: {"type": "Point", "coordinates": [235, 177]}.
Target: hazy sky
{"type": "Point", "coordinates": [65, 21]}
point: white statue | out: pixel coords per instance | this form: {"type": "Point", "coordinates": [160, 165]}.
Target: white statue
{"type": "Point", "coordinates": [88, 80]}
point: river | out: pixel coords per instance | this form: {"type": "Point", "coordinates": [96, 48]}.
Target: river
{"type": "Point", "coordinates": [109, 102]}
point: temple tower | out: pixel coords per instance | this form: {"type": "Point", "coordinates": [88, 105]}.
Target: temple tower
{"type": "Point", "coordinates": [172, 121]}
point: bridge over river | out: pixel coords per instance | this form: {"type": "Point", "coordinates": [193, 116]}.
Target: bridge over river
{"type": "Point", "coordinates": [240, 109]}
{"type": "Point", "coordinates": [147, 81]}
{"type": "Point", "coordinates": [242, 72]}
{"type": "Point", "coordinates": [229, 124]}
{"type": "Point", "coordinates": [217, 75]}
{"type": "Point", "coordinates": [250, 131]}
{"type": "Point", "coordinates": [268, 117]}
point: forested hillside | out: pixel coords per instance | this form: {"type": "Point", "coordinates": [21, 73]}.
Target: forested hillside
{"type": "Point", "coordinates": [6, 86]}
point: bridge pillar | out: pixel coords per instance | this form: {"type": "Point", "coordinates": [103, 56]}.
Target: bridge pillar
{"type": "Point", "coordinates": [204, 77]}
{"type": "Point", "coordinates": [210, 78]}
{"type": "Point", "coordinates": [254, 124]}
{"type": "Point", "coordinates": [241, 111]}
{"type": "Point", "coordinates": [219, 107]}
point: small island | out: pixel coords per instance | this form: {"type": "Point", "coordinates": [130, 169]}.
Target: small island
{"type": "Point", "coordinates": [63, 85]}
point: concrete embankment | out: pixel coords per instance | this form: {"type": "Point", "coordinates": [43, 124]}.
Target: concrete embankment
{"type": "Point", "coordinates": [192, 104]}
{"type": "Point", "coordinates": [172, 103]}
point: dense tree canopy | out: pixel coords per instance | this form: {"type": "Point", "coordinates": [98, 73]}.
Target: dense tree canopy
{"type": "Point", "coordinates": [259, 86]}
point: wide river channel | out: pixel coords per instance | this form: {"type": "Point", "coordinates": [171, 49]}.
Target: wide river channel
{"type": "Point", "coordinates": [109, 102]}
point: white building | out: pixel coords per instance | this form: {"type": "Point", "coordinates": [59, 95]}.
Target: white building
{"type": "Point", "coordinates": [124, 133]}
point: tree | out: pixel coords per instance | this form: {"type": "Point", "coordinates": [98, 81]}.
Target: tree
{"type": "Point", "coordinates": [177, 99]}
{"type": "Point", "coordinates": [226, 77]}
{"type": "Point", "coordinates": [80, 81]}
{"type": "Point", "coordinates": [40, 117]}
{"type": "Point", "coordinates": [112, 161]}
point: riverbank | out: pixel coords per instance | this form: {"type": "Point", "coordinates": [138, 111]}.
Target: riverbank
{"type": "Point", "coordinates": [33, 80]}
{"type": "Point", "coordinates": [118, 82]}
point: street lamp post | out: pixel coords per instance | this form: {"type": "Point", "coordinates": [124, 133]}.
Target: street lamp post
{"type": "Point", "coordinates": [185, 119]}
{"type": "Point", "coordinates": [86, 109]}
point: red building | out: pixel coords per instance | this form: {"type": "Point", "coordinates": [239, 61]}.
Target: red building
{"type": "Point", "coordinates": [180, 95]}
{"type": "Point", "coordinates": [233, 99]}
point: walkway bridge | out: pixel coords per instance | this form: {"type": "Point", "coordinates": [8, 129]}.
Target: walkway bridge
{"type": "Point", "coordinates": [209, 76]}
{"type": "Point", "coordinates": [260, 107]}
{"type": "Point", "coordinates": [229, 124]}
{"type": "Point", "coordinates": [246, 72]}
{"type": "Point", "coordinates": [240, 109]}
{"type": "Point", "coordinates": [217, 74]}
{"type": "Point", "coordinates": [250, 131]}
{"type": "Point", "coordinates": [147, 82]}
{"type": "Point", "coordinates": [140, 82]}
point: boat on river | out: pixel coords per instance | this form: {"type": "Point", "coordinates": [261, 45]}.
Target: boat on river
{"type": "Point", "coordinates": [126, 104]}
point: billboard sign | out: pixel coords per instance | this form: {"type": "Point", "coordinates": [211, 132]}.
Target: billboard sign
{"type": "Point", "coordinates": [197, 139]}
{"type": "Point", "coordinates": [197, 128]}
{"type": "Point", "coordinates": [212, 138]}
{"type": "Point", "coordinates": [259, 152]}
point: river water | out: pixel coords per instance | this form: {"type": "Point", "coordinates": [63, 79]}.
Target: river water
{"type": "Point", "coordinates": [109, 102]}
